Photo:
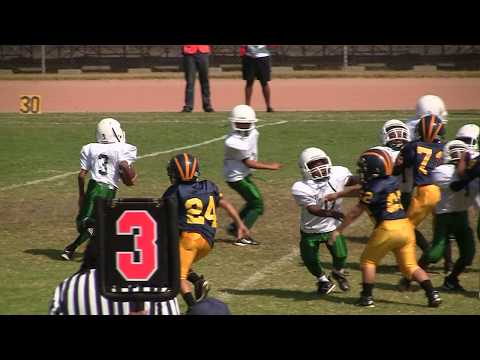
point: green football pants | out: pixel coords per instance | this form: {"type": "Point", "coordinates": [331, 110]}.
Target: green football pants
{"type": "Point", "coordinates": [86, 215]}
{"type": "Point", "coordinates": [254, 203]}
{"type": "Point", "coordinates": [455, 223]}
{"type": "Point", "coordinates": [309, 251]}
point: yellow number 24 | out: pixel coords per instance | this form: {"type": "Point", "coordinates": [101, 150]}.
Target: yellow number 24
{"type": "Point", "coordinates": [194, 207]}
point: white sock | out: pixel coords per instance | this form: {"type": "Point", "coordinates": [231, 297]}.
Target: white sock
{"type": "Point", "coordinates": [323, 278]}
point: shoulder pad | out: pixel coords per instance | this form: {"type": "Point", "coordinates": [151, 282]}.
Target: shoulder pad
{"type": "Point", "coordinates": [235, 142]}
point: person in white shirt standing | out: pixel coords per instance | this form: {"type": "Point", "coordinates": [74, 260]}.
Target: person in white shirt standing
{"type": "Point", "coordinates": [241, 154]}
{"type": "Point", "coordinates": [256, 65]}
{"type": "Point", "coordinates": [451, 216]}
{"type": "Point", "coordinates": [108, 160]}
{"type": "Point", "coordinates": [319, 217]}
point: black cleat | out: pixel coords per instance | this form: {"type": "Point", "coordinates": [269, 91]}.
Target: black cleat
{"type": "Point", "coordinates": [452, 284]}
{"type": "Point", "coordinates": [270, 109]}
{"type": "Point", "coordinates": [365, 301]}
{"type": "Point", "coordinates": [434, 299]}
{"type": "Point", "coordinates": [209, 109]}
{"type": "Point", "coordinates": [404, 285]}
{"type": "Point", "coordinates": [325, 287]}
{"type": "Point", "coordinates": [341, 279]}
{"type": "Point", "coordinates": [186, 110]}
{"type": "Point", "coordinates": [68, 254]}
{"type": "Point", "coordinates": [202, 287]}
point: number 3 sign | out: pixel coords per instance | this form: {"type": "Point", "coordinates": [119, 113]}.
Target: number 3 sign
{"type": "Point", "coordinates": [138, 249]}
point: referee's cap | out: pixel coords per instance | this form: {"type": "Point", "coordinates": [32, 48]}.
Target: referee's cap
{"type": "Point", "coordinates": [209, 306]}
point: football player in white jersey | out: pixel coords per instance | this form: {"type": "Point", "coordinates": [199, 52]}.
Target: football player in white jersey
{"type": "Point", "coordinates": [451, 216]}
{"type": "Point", "coordinates": [108, 161]}
{"type": "Point", "coordinates": [241, 154]}
{"type": "Point", "coordinates": [320, 217]}
{"type": "Point", "coordinates": [394, 135]}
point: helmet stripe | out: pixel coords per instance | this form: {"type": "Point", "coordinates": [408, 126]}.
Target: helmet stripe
{"type": "Point", "coordinates": [194, 167]}
{"type": "Point", "coordinates": [385, 158]}
{"type": "Point", "coordinates": [429, 136]}
{"type": "Point", "coordinates": [437, 130]}
{"type": "Point", "coordinates": [187, 166]}
{"type": "Point", "coordinates": [423, 127]}
{"type": "Point", "coordinates": [179, 168]}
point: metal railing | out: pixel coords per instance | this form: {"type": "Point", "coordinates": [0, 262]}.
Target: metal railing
{"type": "Point", "coordinates": [58, 56]}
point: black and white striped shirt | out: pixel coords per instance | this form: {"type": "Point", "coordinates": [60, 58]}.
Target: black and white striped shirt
{"type": "Point", "coordinates": [79, 294]}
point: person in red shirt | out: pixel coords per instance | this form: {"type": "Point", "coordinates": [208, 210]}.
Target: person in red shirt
{"type": "Point", "coordinates": [256, 65]}
{"type": "Point", "coordinates": [195, 58]}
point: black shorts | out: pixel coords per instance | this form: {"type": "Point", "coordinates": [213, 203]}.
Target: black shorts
{"type": "Point", "coordinates": [256, 68]}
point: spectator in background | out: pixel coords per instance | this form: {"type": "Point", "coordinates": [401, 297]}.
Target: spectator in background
{"type": "Point", "coordinates": [256, 65]}
{"type": "Point", "coordinates": [195, 58]}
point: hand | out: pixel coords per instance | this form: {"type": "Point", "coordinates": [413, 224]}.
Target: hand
{"type": "Point", "coordinates": [276, 166]}
{"type": "Point", "coordinates": [242, 232]}
{"type": "Point", "coordinates": [333, 237]}
{"type": "Point", "coordinates": [331, 197]}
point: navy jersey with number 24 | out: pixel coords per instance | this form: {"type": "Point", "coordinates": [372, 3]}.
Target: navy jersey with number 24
{"type": "Point", "coordinates": [197, 202]}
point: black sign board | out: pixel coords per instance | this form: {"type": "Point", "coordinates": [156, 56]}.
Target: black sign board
{"type": "Point", "coordinates": [138, 249]}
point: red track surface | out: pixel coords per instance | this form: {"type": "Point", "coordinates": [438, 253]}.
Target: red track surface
{"type": "Point", "coordinates": [287, 94]}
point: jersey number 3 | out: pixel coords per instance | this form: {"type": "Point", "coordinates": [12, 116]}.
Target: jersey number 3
{"type": "Point", "coordinates": [195, 213]}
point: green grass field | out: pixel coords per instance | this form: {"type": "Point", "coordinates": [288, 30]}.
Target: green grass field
{"type": "Point", "coordinates": [37, 219]}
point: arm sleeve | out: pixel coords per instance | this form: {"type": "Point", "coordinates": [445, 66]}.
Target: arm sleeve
{"type": "Point", "coordinates": [84, 159]}
{"type": "Point", "coordinates": [129, 154]}
{"type": "Point", "coordinates": [302, 198]}
{"type": "Point", "coordinates": [408, 153]}
{"type": "Point", "coordinates": [441, 179]}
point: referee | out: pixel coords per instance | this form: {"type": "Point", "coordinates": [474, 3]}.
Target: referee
{"type": "Point", "coordinates": [79, 294]}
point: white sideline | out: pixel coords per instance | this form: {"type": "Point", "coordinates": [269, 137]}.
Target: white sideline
{"type": "Point", "coordinates": [34, 182]}
{"type": "Point", "coordinates": [259, 275]}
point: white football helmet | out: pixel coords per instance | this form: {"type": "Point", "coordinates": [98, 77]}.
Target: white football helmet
{"type": "Point", "coordinates": [316, 172]}
{"type": "Point", "coordinates": [453, 151]}
{"type": "Point", "coordinates": [394, 134]}
{"type": "Point", "coordinates": [469, 134]}
{"type": "Point", "coordinates": [109, 131]}
{"type": "Point", "coordinates": [242, 114]}
{"type": "Point", "coordinates": [431, 104]}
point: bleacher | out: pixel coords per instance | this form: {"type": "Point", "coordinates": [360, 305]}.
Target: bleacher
{"type": "Point", "coordinates": [225, 58]}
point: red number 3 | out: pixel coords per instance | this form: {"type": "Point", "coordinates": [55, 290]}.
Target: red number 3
{"type": "Point", "coordinates": [145, 242]}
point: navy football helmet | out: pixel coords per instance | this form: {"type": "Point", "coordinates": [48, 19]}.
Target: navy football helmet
{"type": "Point", "coordinates": [183, 168]}
{"type": "Point", "coordinates": [430, 128]}
{"type": "Point", "coordinates": [373, 164]}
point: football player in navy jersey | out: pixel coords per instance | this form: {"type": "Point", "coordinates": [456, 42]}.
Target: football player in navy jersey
{"type": "Point", "coordinates": [197, 220]}
{"type": "Point", "coordinates": [380, 197]}
{"type": "Point", "coordinates": [422, 156]}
